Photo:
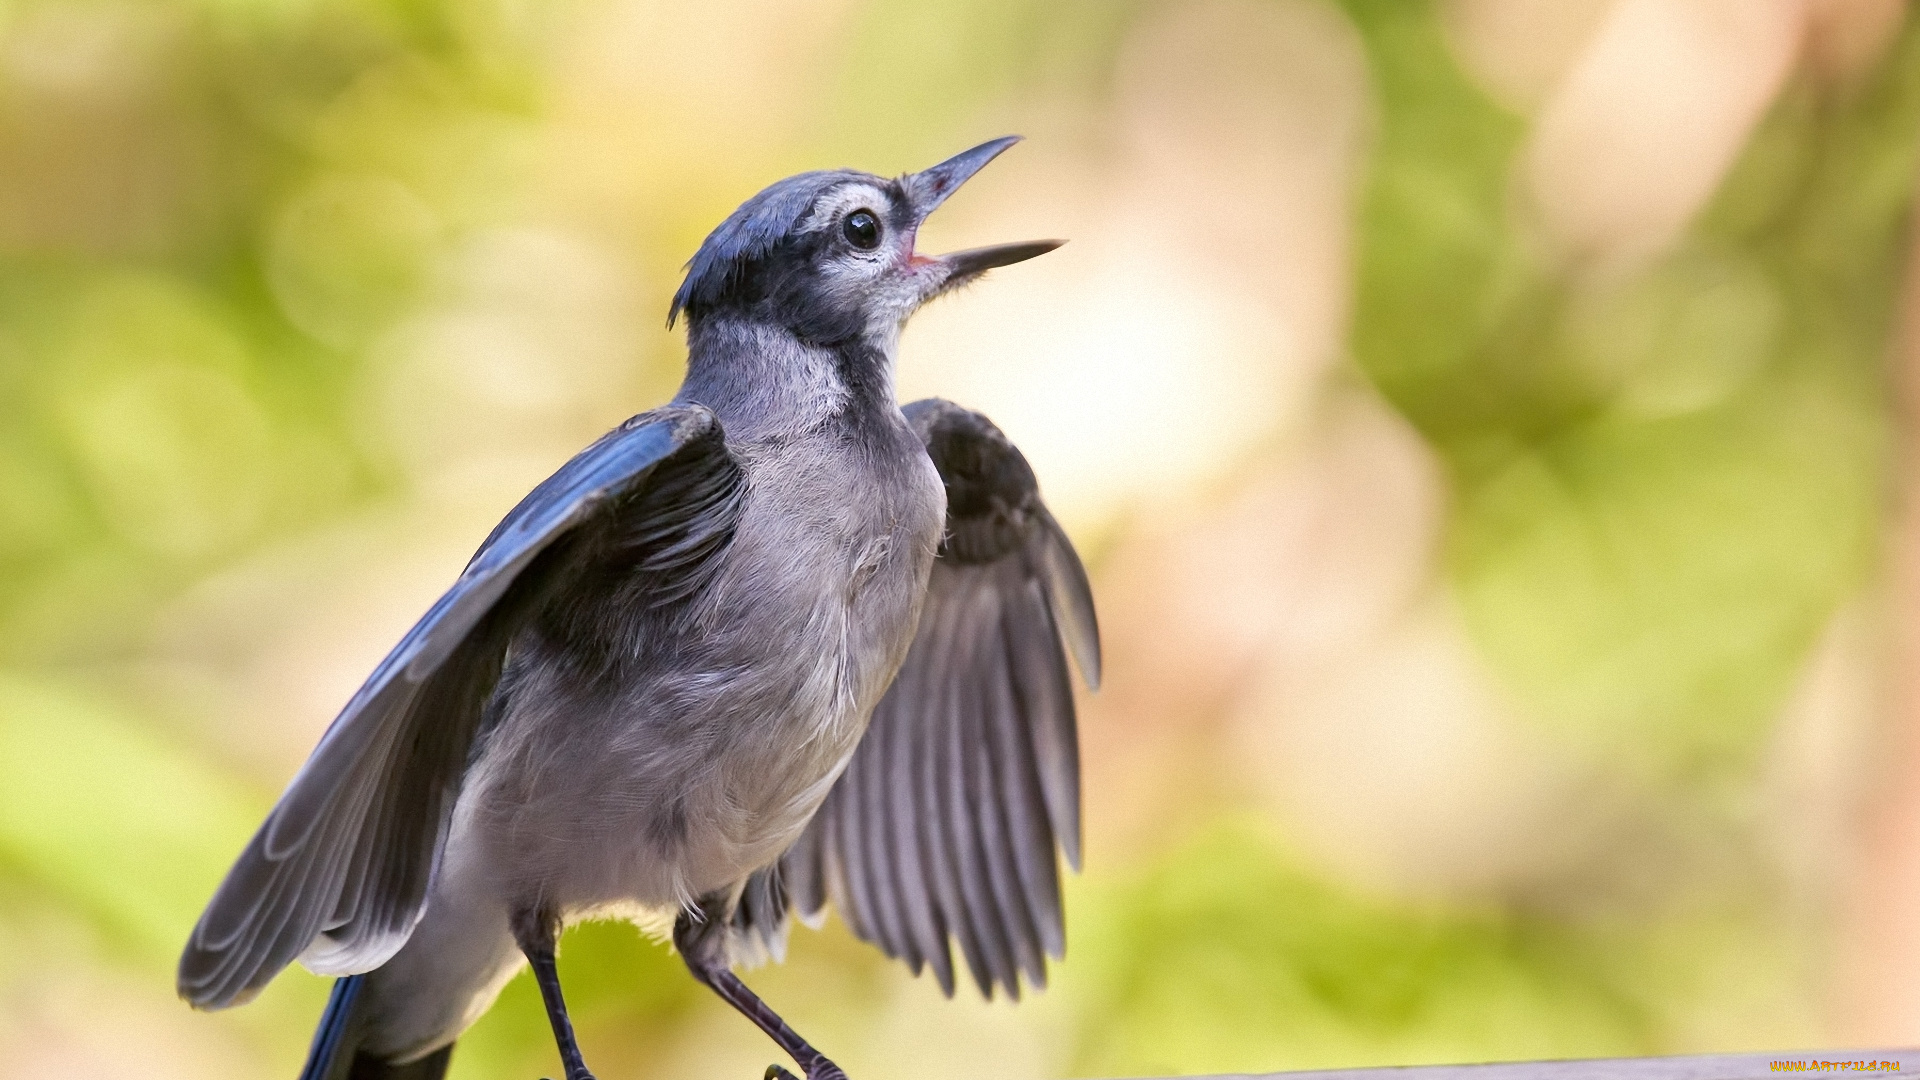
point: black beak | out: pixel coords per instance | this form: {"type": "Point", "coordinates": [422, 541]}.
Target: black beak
{"type": "Point", "coordinates": [968, 263]}
{"type": "Point", "coordinates": [931, 187]}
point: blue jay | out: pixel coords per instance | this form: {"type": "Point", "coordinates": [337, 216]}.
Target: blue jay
{"type": "Point", "coordinates": [775, 645]}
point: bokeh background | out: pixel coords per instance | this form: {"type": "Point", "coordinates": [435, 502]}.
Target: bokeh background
{"type": "Point", "coordinates": [1487, 423]}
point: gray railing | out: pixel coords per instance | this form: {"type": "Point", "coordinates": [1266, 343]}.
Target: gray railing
{"type": "Point", "coordinates": [1785, 1063]}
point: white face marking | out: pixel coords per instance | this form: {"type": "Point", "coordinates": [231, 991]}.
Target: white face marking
{"type": "Point", "coordinates": [877, 280]}
{"type": "Point", "coordinates": [835, 205]}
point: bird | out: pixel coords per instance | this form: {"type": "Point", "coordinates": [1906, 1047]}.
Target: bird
{"type": "Point", "coordinates": [776, 647]}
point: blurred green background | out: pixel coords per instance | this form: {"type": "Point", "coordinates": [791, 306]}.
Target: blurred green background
{"type": "Point", "coordinates": [1482, 418]}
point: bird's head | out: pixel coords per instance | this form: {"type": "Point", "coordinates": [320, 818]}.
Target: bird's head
{"type": "Point", "coordinates": [829, 256]}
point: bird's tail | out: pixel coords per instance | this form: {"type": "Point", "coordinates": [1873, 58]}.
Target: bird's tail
{"type": "Point", "coordinates": [336, 1045]}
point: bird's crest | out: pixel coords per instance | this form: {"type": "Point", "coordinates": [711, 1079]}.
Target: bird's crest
{"type": "Point", "coordinates": [748, 235]}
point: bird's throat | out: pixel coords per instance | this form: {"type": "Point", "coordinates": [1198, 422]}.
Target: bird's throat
{"type": "Point", "coordinates": [763, 381]}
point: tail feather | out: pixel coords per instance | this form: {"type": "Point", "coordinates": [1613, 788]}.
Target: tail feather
{"type": "Point", "coordinates": [332, 1050]}
{"type": "Point", "coordinates": [336, 1045]}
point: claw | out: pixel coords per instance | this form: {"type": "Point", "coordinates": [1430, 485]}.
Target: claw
{"type": "Point", "coordinates": [822, 1070]}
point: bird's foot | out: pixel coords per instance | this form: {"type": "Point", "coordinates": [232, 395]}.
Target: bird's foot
{"type": "Point", "coordinates": [820, 1069]}
{"type": "Point", "coordinates": [576, 1074]}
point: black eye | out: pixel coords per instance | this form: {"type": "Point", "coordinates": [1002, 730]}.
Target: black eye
{"type": "Point", "coordinates": [863, 230]}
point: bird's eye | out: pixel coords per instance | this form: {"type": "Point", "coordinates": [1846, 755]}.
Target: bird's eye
{"type": "Point", "coordinates": [863, 230]}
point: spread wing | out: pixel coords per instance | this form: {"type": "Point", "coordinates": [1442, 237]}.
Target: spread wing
{"type": "Point", "coordinates": [339, 873]}
{"type": "Point", "coordinates": [949, 820]}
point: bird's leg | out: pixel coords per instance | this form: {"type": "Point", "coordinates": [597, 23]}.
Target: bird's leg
{"type": "Point", "coordinates": [536, 930]}
{"type": "Point", "coordinates": [701, 938]}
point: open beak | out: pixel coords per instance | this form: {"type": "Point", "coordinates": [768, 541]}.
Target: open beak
{"type": "Point", "coordinates": [931, 187]}
{"type": "Point", "coordinates": [964, 264]}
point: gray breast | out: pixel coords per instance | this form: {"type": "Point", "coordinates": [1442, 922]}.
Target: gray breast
{"type": "Point", "coordinates": [694, 741]}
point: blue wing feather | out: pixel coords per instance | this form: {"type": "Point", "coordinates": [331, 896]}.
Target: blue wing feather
{"type": "Point", "coordinates": [369, 810]}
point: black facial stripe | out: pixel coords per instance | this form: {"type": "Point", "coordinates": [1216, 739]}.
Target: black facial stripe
{"type": "Point", "coordinates": [899, 209]}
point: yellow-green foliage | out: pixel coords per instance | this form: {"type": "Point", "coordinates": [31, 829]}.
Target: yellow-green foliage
{"type": "Point", "coordinates": [1661, 491]}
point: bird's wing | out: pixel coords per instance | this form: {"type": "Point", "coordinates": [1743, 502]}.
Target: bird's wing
{"type": "Point", "coordinates": [339, 873]}
{"type": "Point", "coordinates": [947, 821]}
